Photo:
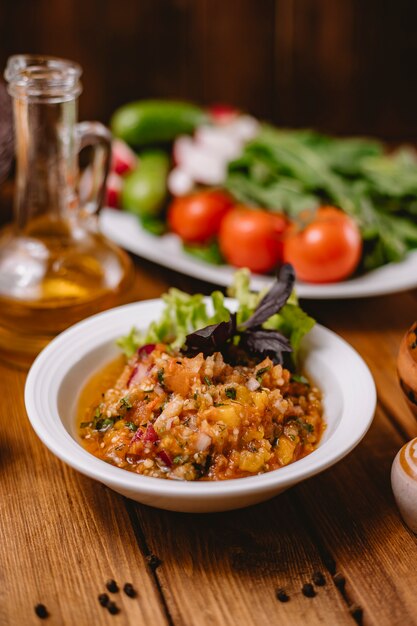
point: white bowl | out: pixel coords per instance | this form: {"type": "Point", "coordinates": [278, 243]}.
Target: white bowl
{"type": "Point", "coordinates": [61, 370]}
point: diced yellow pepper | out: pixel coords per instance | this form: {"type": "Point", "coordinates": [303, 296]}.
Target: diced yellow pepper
{"type": "Point", "coordinates": [286, 448]}
{"type": "Point", "coordinates": [228, 414]}
{"type": "Point", "coordinates": [260, 399]}
{"type": "Point", "coordinates": [243, 395]}
{"type": "Point", "coordinates": [252, 461]}
{"type": "Point", "coordinates": [253, 433]}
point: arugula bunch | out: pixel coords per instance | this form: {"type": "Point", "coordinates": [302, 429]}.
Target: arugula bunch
{"type": "Point", "coordinates": [293, 171]}
{"type": "Point", "coordinates": [269, 323]}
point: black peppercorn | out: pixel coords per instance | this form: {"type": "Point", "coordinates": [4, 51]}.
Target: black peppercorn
{"type": "Point", "coordinates": [281, 595]}
{"type": "Point", "coordinates": [130, 590]}
{"type": "Point", "coordinates": [318, 579]}
{"type": "Point", "coordinates": [153, 561]}
{"type": "Point", "coordinates": [112, 586]}
{"type": "Point", "coordinates": [308, 590]}
{"type": "Point", "coordinates": [356, 612]}
{"type": "Point", "coordinates": [113, 608]}
{"type": "Point", "coordinates": [41, 611]}
{"type": "Point", "coordinates": [339, 581]}
{"type": "Point", "coordinates": [103, 599]}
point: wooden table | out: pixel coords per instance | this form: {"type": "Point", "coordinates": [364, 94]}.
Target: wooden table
{"type": "Point", "coordinates": [63, 535]}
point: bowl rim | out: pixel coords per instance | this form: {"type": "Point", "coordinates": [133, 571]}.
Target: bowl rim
{"type": "Point", "coordinates": [56, 360]}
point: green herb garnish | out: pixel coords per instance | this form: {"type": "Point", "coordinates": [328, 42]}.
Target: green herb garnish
{"type": "Point", "coordinates": [230, 393]}
{"type": "Point", "coordinates": [97, 412]}
{"type": "Point", "coordinates": [297, 378]}
{"type": "Point", "coordinates": [261, 372]}
{"type": "Point", "coordinates": [125, 403]}
{"type": "Point", "coordinates": [161, 374]}
{"type": "Point", "coordinates": [306, 425]}
{"type": "Point", "coordinates": [104, 424]}
{"type": "Point", "coordinates": [131, 426]}
{"type": "Point", "coordinates": [207, 381]}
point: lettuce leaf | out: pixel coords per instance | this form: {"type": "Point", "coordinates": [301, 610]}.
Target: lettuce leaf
{"type": "Point", "coordinates": [184, 314]}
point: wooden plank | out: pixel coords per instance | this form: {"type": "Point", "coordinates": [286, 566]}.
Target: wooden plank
{"type": "Point", "coordinates": [374, 327]}
{"type": "Point", "coordinates": [351, 508]}
{"type": "Point", "coordinates": [228, 545]}
{"type": "Point", "coordinates": [232, 53]}
{"type": "Point", "coordinates": [225, 568]}
{"type": "Point", "coordinates": [62, 535]}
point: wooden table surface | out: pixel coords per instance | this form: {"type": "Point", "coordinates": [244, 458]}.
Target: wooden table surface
{"type": "Point", "coordinates": [63, 535]}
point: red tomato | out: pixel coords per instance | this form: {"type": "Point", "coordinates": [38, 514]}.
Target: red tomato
{"type": "Point", "coordinates": [326, 250]}
{"type": "Point", "coordinates": [197, 217]}
{"type": "Point", "coordinates": [252, 238]}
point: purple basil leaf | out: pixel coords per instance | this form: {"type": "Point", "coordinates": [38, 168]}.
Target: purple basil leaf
{"type": "Point", "coordinates": [274, 299]}
{"type": "Point", "coordinates": [211, 338]}
{"type": "Point", "coordinates": [262, 342]}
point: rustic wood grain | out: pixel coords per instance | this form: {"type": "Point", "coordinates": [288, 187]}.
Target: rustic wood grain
{"type": "Point", "coordinates": [225, 568]}
{"type": "Point", "coordinates": [375, 327]}
{"type": "Point", "coordinates": [62, 535]}
{"type": "Point", "coordinates": [344, 67]}
{"type": "Point", "coordinates": [352, 511]}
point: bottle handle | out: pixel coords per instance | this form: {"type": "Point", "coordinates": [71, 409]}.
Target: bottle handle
{"type": "Point", "coordinates": [99, 137]}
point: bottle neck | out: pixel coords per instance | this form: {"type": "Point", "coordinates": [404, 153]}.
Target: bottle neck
{"type": "Point", "coordinates": [46, 161]}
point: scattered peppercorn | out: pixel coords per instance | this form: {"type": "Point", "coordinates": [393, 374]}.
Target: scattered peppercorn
{"type": "Point", "coordinates": [356, 612]}
{"type": "Point", "coordinates": [112, 586]}
{"type": "Point", "coordinates": [103, 599]}
{"type": "Point", "coordinates": [112, 608]}
{"type": "Point", "coordinates": [318, 579]}
{"type": "Point", "coordinates": [41, 611]}
{"type": "Point", "coordinates": [339, 581]}
{"type": "Point", "coordinates": [308, 590]}
{"type": "Point", "coordinates": [153, 561]}
{"type": "Point", "coordinates": [130, 590]}
{"type": "Point", "coordinates": [281, 595]}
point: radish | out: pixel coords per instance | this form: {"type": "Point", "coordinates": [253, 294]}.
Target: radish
{"type": "Point", "coordinates": [219, 140]}
{"type": "Point", "coordinates": [114, 186]}
{"type": "Point", "coordinates": [198, 163]}
{"type": "Point", "coordinates": [222, 113]}
{"type": "Point", "coordinates": [181, 146]}
{"type": "Point", "coordinates": [243, 128]}
{"type": "Point", "coordinates": [123, 158]}
{"type": "Point", "coordinates": [179, 182]}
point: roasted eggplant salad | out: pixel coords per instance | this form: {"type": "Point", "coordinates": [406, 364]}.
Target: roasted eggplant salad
{"type": "Point", "coordinates": [206, 393]}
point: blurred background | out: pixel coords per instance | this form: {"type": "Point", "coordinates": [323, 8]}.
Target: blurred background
{"type": "Point", "coordinates": [343, 66]}
{"type": "Point", "coordinates": [340, 66]}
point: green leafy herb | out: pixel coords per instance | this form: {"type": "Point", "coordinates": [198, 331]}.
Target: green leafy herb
{"type": "Point", "coordinates": [306, 425]}
{"type": "Point", "coordinates": [177, 459]}
{"type": "Point", "coordinates": [153, 225]}
{"type": "Point", "coordinates": [261, 372]}
{"type": "Point", "coordinates": [161, 374]}
{"type": "Point", "coordinates": [210, 253]}
{"type": "Point", "coordinates": [207, 381]}
{"type": "Point", "coordinates": [230, 393]}
{"type": "Point", "coordinates": [131, 426]}
{"type": "Point", "coordinates": [104, 424]}
{"type": "Point", "coordinates": [125, 403]}
{"type": "Point", "coordinates": [297, 378]}
{"type": "Point", "coordinates": [97, 412]}
{"type": "Point", "coordinates": [269, 323]}
{"type": "Point", "coordinates": [129, 343]}
{"type": "Point", "coordinates": [294, 171]}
